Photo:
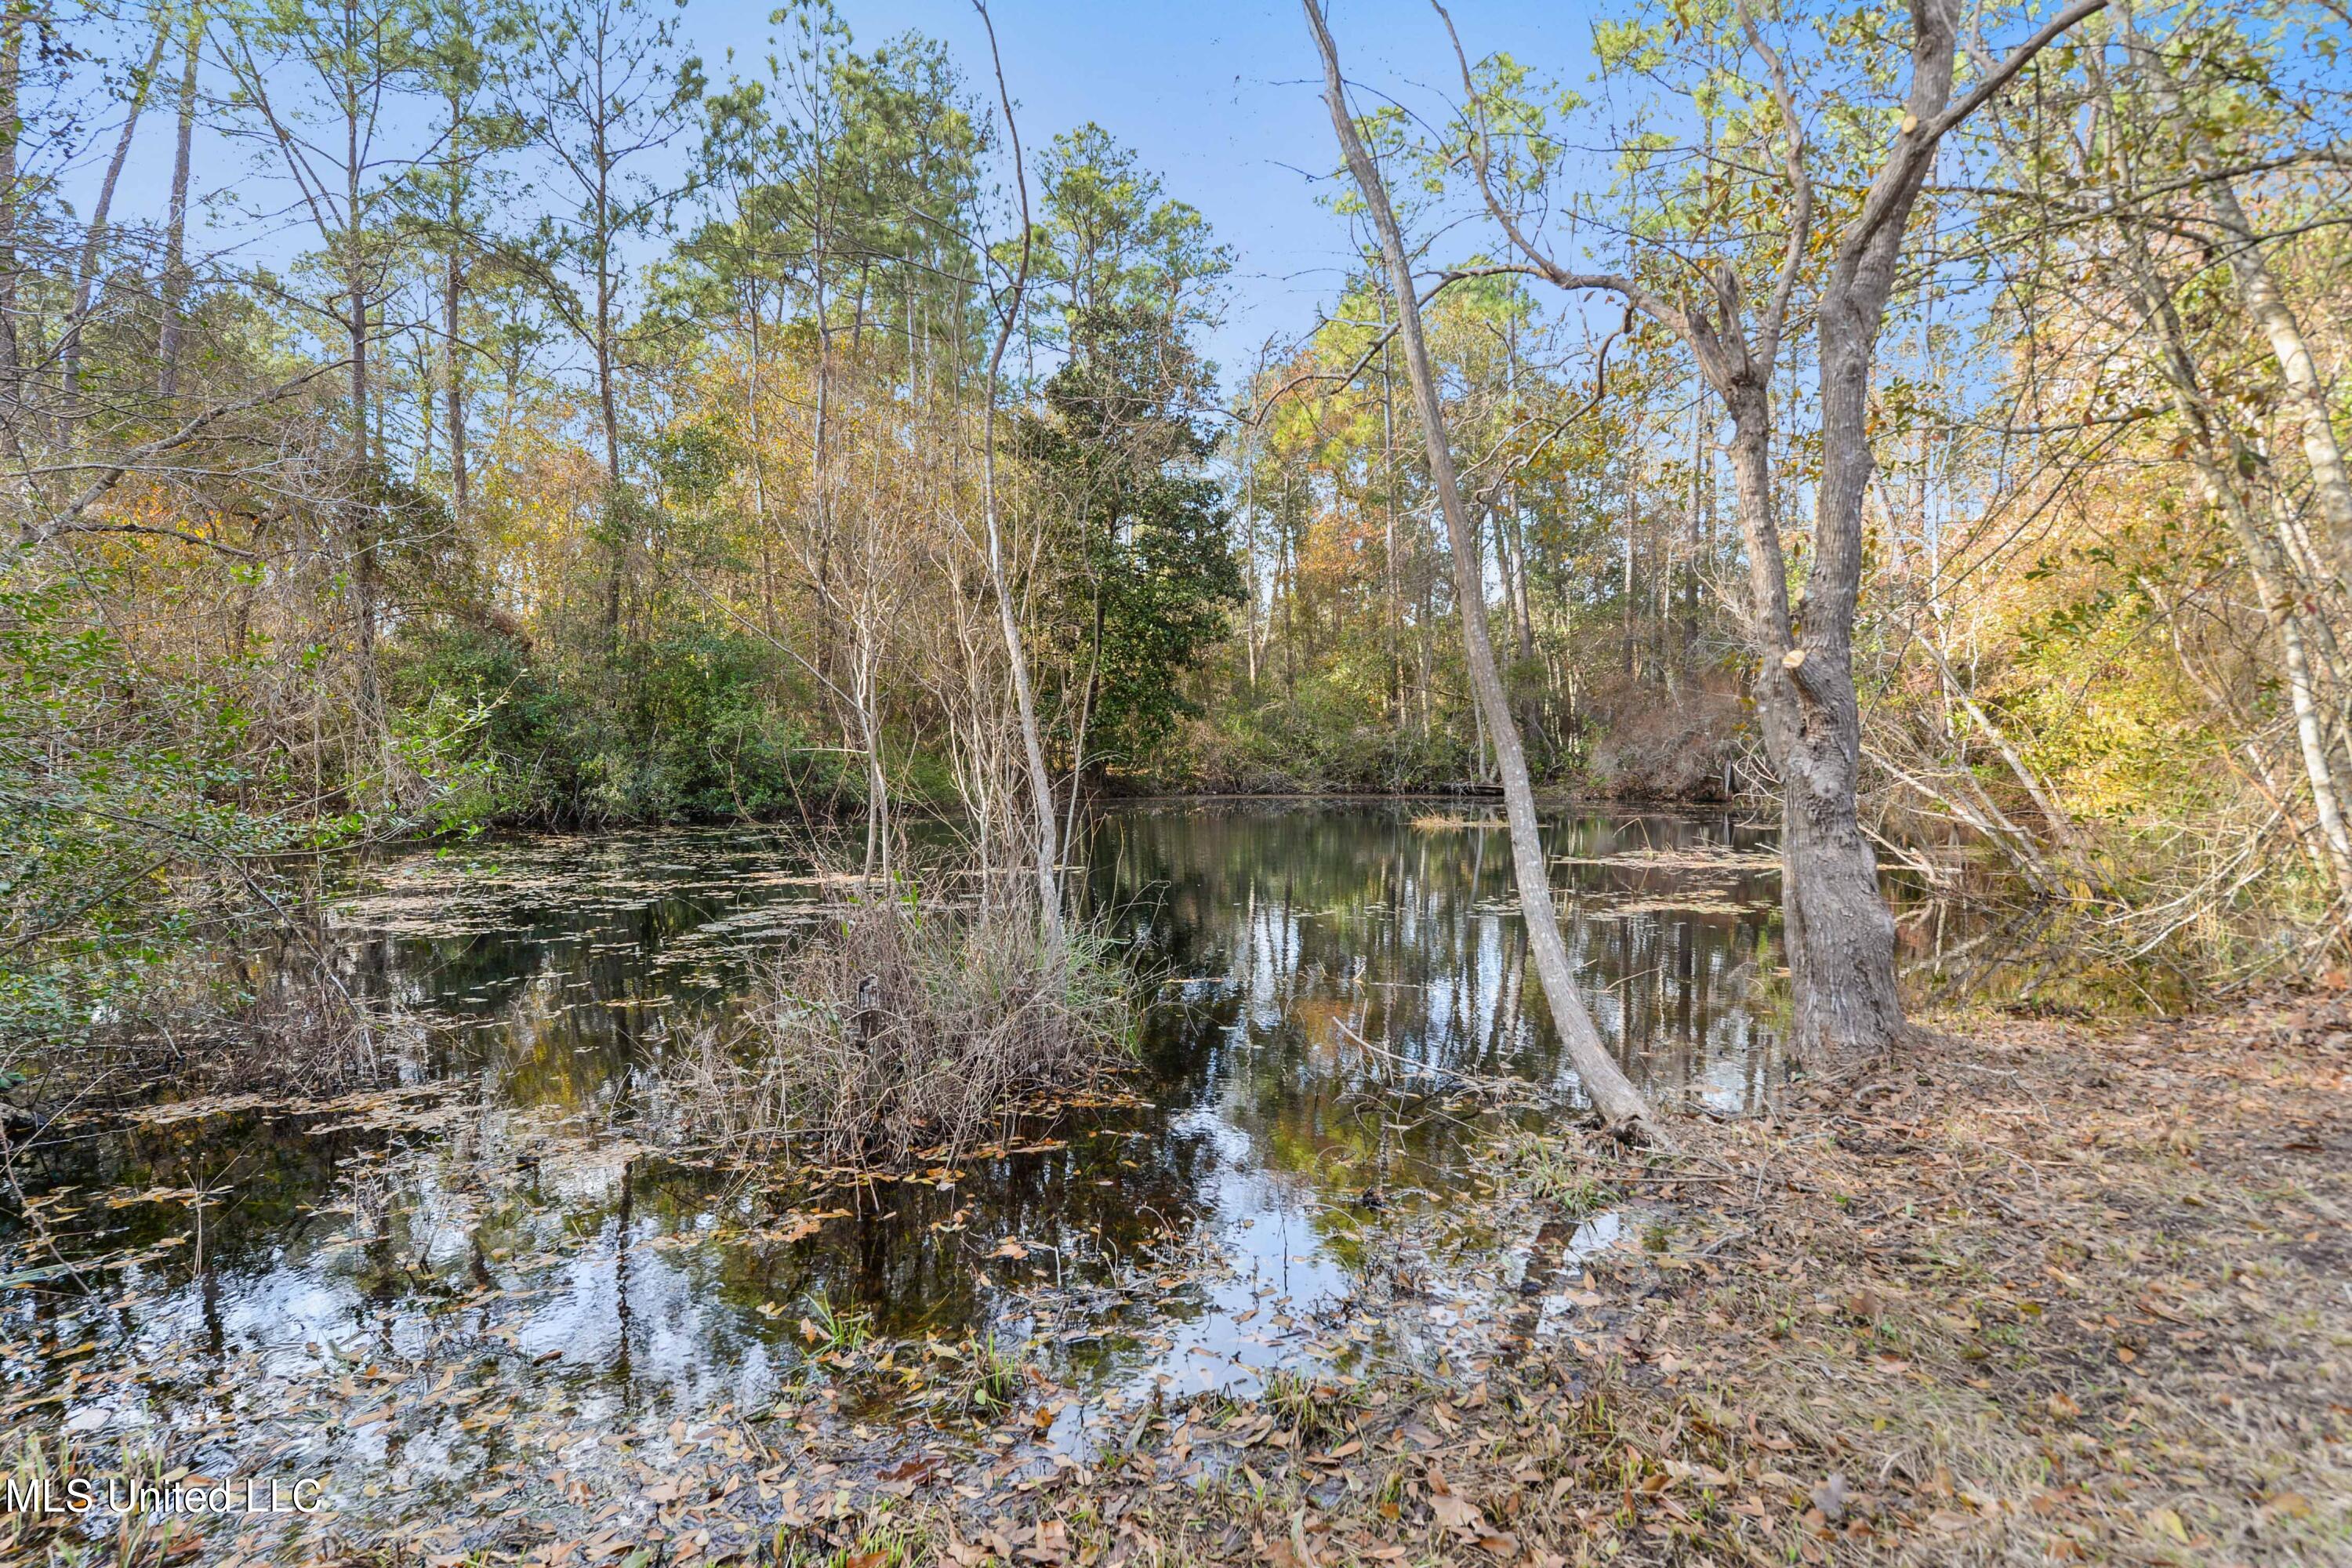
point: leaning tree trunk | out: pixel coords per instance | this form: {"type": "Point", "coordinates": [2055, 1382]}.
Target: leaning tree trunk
{"type": "Point", "coordinates": [93, 244]}
{"type": "Point", "coordinates": [1611, 1091]}
{"type": "Point", "coordinates": [2264, 303]}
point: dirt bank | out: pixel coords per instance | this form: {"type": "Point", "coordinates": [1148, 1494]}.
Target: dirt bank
{"type": "Point", "coordinates": [2053, 1293]}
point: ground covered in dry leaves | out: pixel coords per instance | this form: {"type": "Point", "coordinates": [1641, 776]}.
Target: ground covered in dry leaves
{"type": "Point", "coordinates": [2046, 1293]}
{"type": "Point", "coordinates": [2042, 1292]}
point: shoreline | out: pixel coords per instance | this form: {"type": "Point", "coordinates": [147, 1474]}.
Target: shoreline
{"type": "Point", "coordinates": [2040, 1291]}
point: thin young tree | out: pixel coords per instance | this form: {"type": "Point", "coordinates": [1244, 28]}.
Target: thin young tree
{"type": "Point", "coordinates": [1009, 305]}
{"type": "Point", "coordinates": [597, 86]}
{"type": "Point", "coordinates": [1612, 1093]}
{"type": "Point", "coordinates": [173, 331]}
{"type": "Point", "coordinates": [317, 83]}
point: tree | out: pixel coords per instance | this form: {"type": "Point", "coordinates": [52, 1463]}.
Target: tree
{"type": "Point", "coordinates": [1839, 933]}
{"type": "Point", "coordinates": [1007, 305]}
{"type": "Point", "coordinates": [447, 202]}
{"type": "Point", "coordinates": [1612, 1092]}
{"type": "Point", "coordinates": [316, 81]}
{"type": "Point", "coordinates": [1139, 550]}
{"type": "Point", "coordinates": [597, 85]}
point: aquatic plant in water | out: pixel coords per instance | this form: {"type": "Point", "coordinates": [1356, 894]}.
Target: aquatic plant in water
{"type": "Point", "coordinates": [906, 1023]}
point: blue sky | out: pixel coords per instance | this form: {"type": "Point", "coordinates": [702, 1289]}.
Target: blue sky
{"type": "Point", "coordinates": [1219, 96]}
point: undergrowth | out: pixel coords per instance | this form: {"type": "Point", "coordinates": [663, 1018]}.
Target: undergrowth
{"type": "Point", "coordinates": [908, 1023]}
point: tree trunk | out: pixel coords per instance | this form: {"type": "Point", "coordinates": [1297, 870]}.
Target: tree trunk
{"type": "Point", "coordinates": [454, 384]}
{"type": "Point", "coordinates": [453, 359]}
{"type": "Point", "coordinates": [2268, 559]}
{"type": "Point", "coordinates": [1041, 782]}
{"type": "Point", "coordinates": [364, 586]}
{"type": "Point", "coordinates": [175, 237]}
{"type": "Point", "coordinates": [1696, 545]}
{"type": "Point", "coordinates": [93, 244]}
{"type": "Point", "coordinates": [2259, 293]}
{"type": "Point", "coordinates": [1612, 1093]}
{"type": "Point", "coordinates": [1851, 1003]}
{"type": "Point", "coordinates": [12, 129]}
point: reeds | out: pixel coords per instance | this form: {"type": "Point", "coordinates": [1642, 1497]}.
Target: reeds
{"type": "Point", "coordinates": [906, 1025]}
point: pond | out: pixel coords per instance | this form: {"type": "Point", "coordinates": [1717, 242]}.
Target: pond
{"type": "Point", "coordinates": [437, 1294]}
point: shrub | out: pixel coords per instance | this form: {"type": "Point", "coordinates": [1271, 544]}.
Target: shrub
{"type": "Point", "coordinates": [905, 1023]}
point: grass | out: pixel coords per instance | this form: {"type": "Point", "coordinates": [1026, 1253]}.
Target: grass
{"type": "Point", "coordinates": [832, 1332]}
{"type": "Point", "coordinates": [1443, 822]}
{"type": "Point", "coordinates": [1555, 1171]}
{"type": "Point", "coordinates": [1318, 1410]}
{"type": "Point", "coordinates": [993, 1374]}
{"type": "Point", "coordinates": [908, 1024]}
{"type": "Point", "coordinates": [47, 1466]}
{"type": "Point", "coordinates": [891, 1539]}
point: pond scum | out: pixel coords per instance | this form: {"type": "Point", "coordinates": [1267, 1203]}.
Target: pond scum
{"type": "Point", "coordinates": [2009, 1305]}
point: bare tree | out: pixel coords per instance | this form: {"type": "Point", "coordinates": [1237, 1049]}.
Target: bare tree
{"type": "Point", "coordinates": [2259, 293]}
{"type": "Point", "coordinates": [1041, 781]}
{"type": "Point", "coordinates": [94, 239]}
{"type": "Point", "coordinates": [175, 223]}
{"type": "Point", "coordinates": [1611, 1091]}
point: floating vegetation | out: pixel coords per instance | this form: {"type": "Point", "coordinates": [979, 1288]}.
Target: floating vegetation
{"type": "Point", "coordinates": [515, 1283]}
{"type": "Point", "coordinates": [1701, 859]}
{"type": "Point", "coordinates": [1443, 822]}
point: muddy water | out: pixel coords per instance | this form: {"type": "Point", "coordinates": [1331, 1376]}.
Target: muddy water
{"type": "Point", "coordinates": [1328, 982]}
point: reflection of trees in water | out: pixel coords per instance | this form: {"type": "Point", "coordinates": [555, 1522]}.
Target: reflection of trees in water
{"type": "Point", "coordinates": [1310, 920]}
{"type": "Point", "coordinates": [1286, 933]}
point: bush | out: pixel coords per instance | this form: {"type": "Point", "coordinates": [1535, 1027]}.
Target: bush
{"type": "Point", "coordinates": [906, 1024]}
{"type": "Point", "coordinates": [691, 726]}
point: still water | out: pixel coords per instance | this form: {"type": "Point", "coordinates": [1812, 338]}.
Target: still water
{"type": "Point", "coordinates": [1323, 976]}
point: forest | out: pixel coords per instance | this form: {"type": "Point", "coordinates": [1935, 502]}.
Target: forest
{"type": "Point", "coordinates": [1853, 501]}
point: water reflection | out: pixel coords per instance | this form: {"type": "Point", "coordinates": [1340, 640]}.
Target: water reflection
{"type": "Point", "coordinates": [500, 1212]}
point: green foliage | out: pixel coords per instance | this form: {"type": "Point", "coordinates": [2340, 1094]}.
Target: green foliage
{"type": "Point", "coordinates": [1146, 573]}
{"type": "Point", "coordinates": [691, 724]}
{"type": "Point", "coordinates": [1320, 736]}
{"type": "Point", "coordinates": [1143, 575]}
{"type": "Point", "coordinates": [133, 805]}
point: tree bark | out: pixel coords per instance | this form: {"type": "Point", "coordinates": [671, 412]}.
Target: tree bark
{"type": "Point", "coordinates": [1041, 781]}
{"type": "Point", "coordinates": [176, 236]}
{"type": "Point", "coordinates": [2266, 304]}
{"type": "Point", "coordinates": [12, 129]}
{"type": "Point", "coordinates": [1839, 935]}
{"type": "Point", "coordinates": [453, 359]}
{"type": "Point", "coordinates": [1612, 1093]}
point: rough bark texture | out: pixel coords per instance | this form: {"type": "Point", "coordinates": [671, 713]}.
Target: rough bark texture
{"type": "Point", "coordinates": [1612, 1092]}
{"type": "Point", "coordinates": [1839, 934]}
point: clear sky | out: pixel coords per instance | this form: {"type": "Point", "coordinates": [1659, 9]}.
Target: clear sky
{"type": "Point", "coordinates": [1219, 96]}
